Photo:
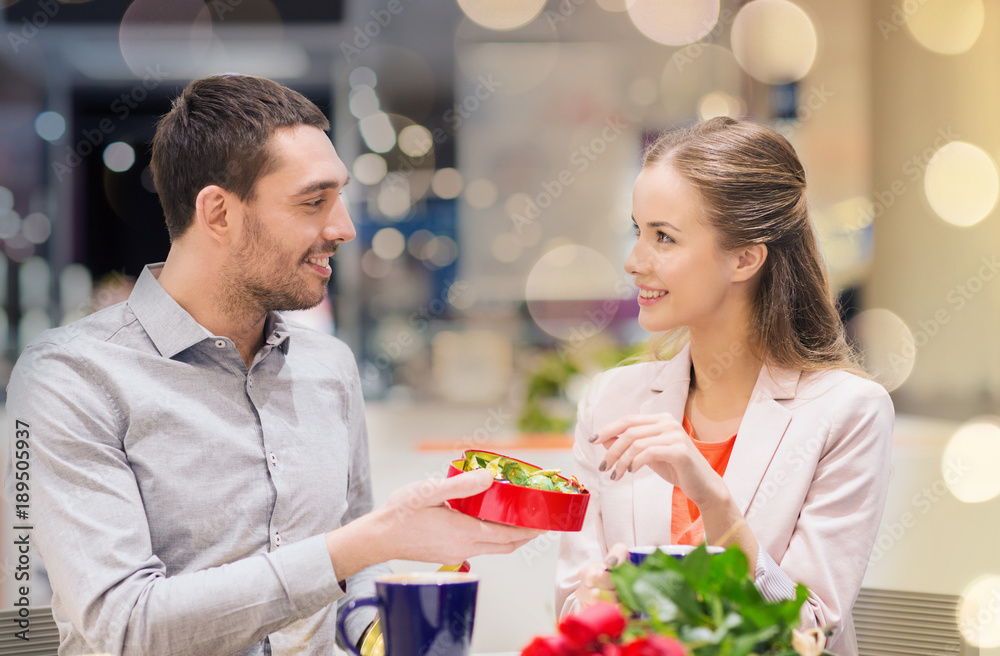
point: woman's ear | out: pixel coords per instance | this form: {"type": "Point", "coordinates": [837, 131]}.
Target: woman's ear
{"type": "Point", "coordinates": [749, 261]}
{"type": "Point", "coordinates": [212, 209]}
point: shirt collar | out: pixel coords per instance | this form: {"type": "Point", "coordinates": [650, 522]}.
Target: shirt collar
{"type": "Point", "coordinates": [171, 328]}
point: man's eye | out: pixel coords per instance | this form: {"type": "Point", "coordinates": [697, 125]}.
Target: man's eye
{"type": "Point", "coordinates": [315, 203]}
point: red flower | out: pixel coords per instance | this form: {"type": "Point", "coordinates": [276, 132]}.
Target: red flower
{"type": "Point", "coordinates": [602, 620]}
{"type": "Point", "coordinates": [654, 645]}
{"type": "Point", "coordinates": [556, 645]}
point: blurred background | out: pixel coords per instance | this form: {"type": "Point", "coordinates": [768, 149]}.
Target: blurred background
{"type": "Point", "coordinates": [493, 144]}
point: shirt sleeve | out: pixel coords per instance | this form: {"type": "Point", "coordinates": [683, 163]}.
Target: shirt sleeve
{"type": "Point", "coordinates": [589, 544]}
{"type": "Point", "coordinates": [360, 502]}
{"type": "Point", "coordinates": [840, 515]}
{"type": "Point", "coordinates": [91, 531]}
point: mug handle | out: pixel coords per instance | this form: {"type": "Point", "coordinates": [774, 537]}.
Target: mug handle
{"type": "Point", "coordinates": [350, 608]}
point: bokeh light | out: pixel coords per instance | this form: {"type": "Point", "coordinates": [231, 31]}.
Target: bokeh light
{"type": "Point", "coordinates": [363, 101]}
{"type": "Point", "coordinates": [447, 183]}
{"type": "Point", "coordinates": [441, 251]}
{"type": "Point", "coordinates": [119, 156]}
{"type": "Point", "coordinates": [10, 224]}
{"type": "Point", "coordinates": [774, 41]}
{"type": "Point", "coordinates": [462, 295]}
{"type": "Point", "coordinates": [888, 350]}
{"type": "Point", "coordinates": [948, 27]}
{"type": "Point", "coordinates": [674, 22]}
{"type": "Point", "coordinates": [140, 35]}
{"type": "Point", "coordinates": [394, 197]}
{"type": "Point", "coordinates": [979, 612]}
{"type": "Point", "coordinates": [377, 132]}
{"type": "Point", "coordinates": [34, 283]}
{"type": "Point", "coordinates": [692, 71]}
{"type": "Point", "coordinates": [363, 76]}
{"type": "Point", "coordinates": [961, 183]}
{"type": "Point", "coordinates": [719, 103]}
{"type": "Point", "coordinates": [417, 243]}
{"type": "Point", "coordinates": [388, 243]}
{"type": "Point", "coordinates": [614, 5]}
{"type": "Point", "coordinates": [374, 266]}
{"type": "Point", "coordinates": [415, 140]}
{"type": "Point", "coordinates": [50, 125]}
{"type": "Point", "coordinates": [974, 450]}
{"type": "Point", "coordinates": [571, 291]}
{"type": "Point", "coordinates": [369, 169]}
{"type": "Point", "coordinates": [6, 200]}
{"type": "Point", "coordinates": [502, 14]}
{"type": "Point", "coordinates": [36, 228]}
{"type": "Point", "coordinates": [481, 193]}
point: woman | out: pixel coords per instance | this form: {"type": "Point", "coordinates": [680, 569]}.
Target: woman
{"type": "Point", "coordinates": [759, 431]}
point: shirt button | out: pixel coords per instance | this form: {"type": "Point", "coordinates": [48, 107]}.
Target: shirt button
{"type": "Point", "coordinates": [277, 539]}
{"type": "Point", "coordinates": [220, 343]}
{"type": "Point", "coordinates": [274, 458]}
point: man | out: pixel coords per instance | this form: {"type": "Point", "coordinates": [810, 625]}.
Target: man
{"type": "Point", "coordinates": [199, 468]}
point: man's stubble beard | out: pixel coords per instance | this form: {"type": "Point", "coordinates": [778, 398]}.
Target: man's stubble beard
{"type": "Point", "coordinates": [254, 280]}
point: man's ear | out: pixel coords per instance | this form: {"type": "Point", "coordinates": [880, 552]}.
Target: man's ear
{"type": "Point", "coordinates": [213, 212]}
{"type": "Point", "coordinates": [749, 261]}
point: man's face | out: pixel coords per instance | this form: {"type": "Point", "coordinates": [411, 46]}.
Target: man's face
{"type": "Point", "coordinates": [292, 226]}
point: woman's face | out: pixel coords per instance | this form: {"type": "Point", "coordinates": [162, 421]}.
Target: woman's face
{"type": "Point", "coordinates": [684, 280]}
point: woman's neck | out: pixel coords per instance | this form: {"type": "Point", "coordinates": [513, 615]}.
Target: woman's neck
{"type": "Point", "coordinates": [724, 371]}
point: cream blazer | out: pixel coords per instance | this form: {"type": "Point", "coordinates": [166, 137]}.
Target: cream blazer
{"type": "Point", "coordinates": [809, 470]}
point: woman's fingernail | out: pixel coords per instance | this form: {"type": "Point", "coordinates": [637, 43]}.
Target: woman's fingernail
{"type": "Point", "coordinates": [593, 438]}
{"type": "Point", "coordinates": [612, 561]}
{"type": "Point", "coordinates": [614, 475]}
{"type": "Point", "coordinates": [603, 465]}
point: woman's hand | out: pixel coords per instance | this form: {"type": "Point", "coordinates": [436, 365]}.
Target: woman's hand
{"type": "Point", "coordinates": [660, 443]}
{"type": "Point", "coordinates": [595, 580]}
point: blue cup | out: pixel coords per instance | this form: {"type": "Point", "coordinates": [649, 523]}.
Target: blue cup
{"type": "Point", "coordinates": [421, 614]}
{"type": "Point", "coordinates": [638, 554]}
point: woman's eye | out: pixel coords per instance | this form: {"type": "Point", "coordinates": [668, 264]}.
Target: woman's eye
{"type": "Point", "coordinates": [664, 238]}
{"type": "Point", "coordinates": [635, 230]}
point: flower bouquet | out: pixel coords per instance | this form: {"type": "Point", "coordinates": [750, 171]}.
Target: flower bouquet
{"type": "Point", "coordinates": [701, 605]}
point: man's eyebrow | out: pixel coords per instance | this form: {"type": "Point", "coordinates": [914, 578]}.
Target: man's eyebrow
{"type": "Point", "coordinates": [321, 185]}
{"type": "Point", "coordinates": [659, 224]}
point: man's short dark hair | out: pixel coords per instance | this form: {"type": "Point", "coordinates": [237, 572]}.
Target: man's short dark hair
{"type": "Point", "coordinates": [218, 132]}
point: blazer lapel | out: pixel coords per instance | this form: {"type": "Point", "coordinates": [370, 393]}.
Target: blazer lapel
{"type": "Point", "coordinates": [651, 495]}
{"type": "Point", "coordinates": [760, 433]}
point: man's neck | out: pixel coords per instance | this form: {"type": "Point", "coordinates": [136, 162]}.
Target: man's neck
{"type": "Point", "coordinates": [199, 290]}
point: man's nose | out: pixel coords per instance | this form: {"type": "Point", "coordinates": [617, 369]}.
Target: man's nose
{"type": "Point", "coordinates": [339, 227]}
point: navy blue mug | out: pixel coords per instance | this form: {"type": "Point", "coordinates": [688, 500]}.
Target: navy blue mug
{"type": "Point", "coordinates": [422, 613]}
{"type": "Point", "coordinates": [638, 554]}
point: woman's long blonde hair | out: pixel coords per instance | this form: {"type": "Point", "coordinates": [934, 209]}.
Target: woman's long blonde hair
{"type": "Point", "coordinates": [753, 187]}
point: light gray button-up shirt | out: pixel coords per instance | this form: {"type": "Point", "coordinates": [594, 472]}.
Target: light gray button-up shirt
{"type": "Point", "coordinates": [179, 502]}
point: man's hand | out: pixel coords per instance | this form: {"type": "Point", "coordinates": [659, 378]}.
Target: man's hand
{"type": "Point", "coordinates": [415, 524]}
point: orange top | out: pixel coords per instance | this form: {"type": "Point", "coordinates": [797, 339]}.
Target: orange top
{"type": "Point", "coordinates": [686, 526]}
